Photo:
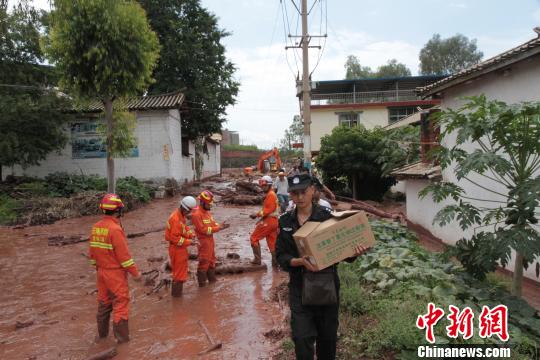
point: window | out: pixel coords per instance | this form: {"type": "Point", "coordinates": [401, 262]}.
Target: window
{"type": "Point", "coordinates": [348, 119]}
{"type": "Point", "coordinates": [398, 113]}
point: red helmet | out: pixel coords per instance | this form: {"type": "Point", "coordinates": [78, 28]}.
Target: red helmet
{"type": "Point", "coordinates": [207, 197]}
{"type": "Point", "coordinates": [111, 202]}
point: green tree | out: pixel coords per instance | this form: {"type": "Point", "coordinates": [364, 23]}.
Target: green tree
{"type": "Point", "coordinates": [393, 69]}
{"type": "Point", "coordinates": [399, 147]}
{"type": "Point", "coordinates": [193, 58]}
{"type": "Point", "coordinates": [353, 69]}
{"type": "Point", "coordinates": [294, 134]}
{"type": "Point", "coordinates": [33, 119]}
{"type": "Point", "coordinates": [504, 165]}
{"type": "Point", "coordinates": [448, 56]}
{"type": "Point", "coordinates": [353, 153]}
{"type": "Point", "coordinates": [103, 49]}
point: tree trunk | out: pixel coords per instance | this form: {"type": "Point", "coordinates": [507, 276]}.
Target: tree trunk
{"type": "Point", "coordinates": [517, 280]}
{"type": "Point", "coordinates": [108, 104]}
{"type": "Point", "coordinates": [1, 177]}
{"type": "Point", "coordinates": [355, 187]}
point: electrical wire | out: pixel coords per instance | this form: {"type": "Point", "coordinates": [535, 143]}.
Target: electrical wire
{"type": "Point", "coordinates": [285, 23]}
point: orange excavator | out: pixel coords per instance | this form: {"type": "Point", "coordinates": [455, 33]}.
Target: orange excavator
{"type": "Point", "coordinates": [271, 157]}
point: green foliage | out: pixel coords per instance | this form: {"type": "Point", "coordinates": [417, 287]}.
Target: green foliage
{"type": "Point", "coordinates": [506, 155]}
{"type": "Point", "coordinates": [353, 69]}
{"type": "Point", "coordinates": [64, 185]}
{"type": "Point", "coordinates": [32, 118]}
{"type": "Point", "coordinates": [240, 148]}
{"type": "Point", "coordinates": [448, 56]}
{"type": "Point", "coordinates": [354, 153]}
{"type": "Point", "coordinates": [123, 132]}
{"type": "Point", "coordinates": [294, 134]}
{"type": "Point", "coordinates": [400, 147]}
{"type": "Point", "coordinates": [102, 48]}
{"type": "Point", "coordinates": [393, 284]}
{"type": "Point", "coordinates": [134, 187]}
{"type": "Point", "coordinates": [8, 213]}
{"type": "Point", "coordinates": [193, 58]}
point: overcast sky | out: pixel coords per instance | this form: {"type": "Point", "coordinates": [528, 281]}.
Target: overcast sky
{"type": "Point", "coordinates": [373, 30]}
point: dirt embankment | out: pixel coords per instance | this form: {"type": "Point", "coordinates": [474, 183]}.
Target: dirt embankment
{"type": "Point", "coordinates": [49, 300]}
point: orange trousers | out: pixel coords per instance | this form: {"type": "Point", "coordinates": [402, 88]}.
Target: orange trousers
{"type": "Point", "coordinates": [266, 228]}
{"type": "Point", "coordinates": [207, 254]}
{"type": "Point", "coordinates": [112, 286]}
{"type": "Point", "coordinates": [179, 262]}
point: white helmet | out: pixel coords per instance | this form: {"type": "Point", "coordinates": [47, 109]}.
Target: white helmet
{"type": "Point", "coordinates": [265, 180]}
{"type": "Point", "coordinates": [188, 203]}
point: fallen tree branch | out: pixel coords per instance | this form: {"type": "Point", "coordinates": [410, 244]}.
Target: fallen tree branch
{"type": "Point", "coordinates": [104, 355]}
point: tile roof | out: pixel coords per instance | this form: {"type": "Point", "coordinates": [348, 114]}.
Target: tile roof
{"type": "Point", "coordinates": [418, 170]}
{"type": "Point", "coordinates": [171, 100]}
{"type": "Point", "coordinates": [528, 49]}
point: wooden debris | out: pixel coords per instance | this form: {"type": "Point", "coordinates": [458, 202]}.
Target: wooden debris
{"type": "Point", "coordinates": [23, 324]}
{"type": "Point", "coordinates": [154, 259]}
{"type": "Point", "coordinates": [238, 268]}
{"type": "Point", "coordinates": [213, 344]}
{"type": "Point", "coordinates": [104, 355]}
{"type": "Point", "coordinates": [233, 256]}
{"type": "Point", "coordinates": [249, 186]}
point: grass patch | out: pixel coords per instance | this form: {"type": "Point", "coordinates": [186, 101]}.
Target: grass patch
{"type": "Point", "coordinates": [8, 213]}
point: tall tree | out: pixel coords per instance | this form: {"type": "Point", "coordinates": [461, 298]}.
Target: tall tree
{"type": "Point", "coordinates": [448, 56]}
{"type": "Point", "coordinates": [193, 58]}
{"type": "Point", "coordinates": [33, 119]}
{"type": "Point", "coordinates": [393, 69]}
{"type": "Point", "coordinates": [503, 168]}
{"type": "Point", "coordinates": [354, 70]}
{"type": "Point", "coordinates": [103, 49]}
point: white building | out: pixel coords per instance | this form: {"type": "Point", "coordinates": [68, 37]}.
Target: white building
{"type": "Point", "coordinates": [370, 102]}
{"type": "Point", "coordinates": [161, 152]}
{"type": "Point", "coordinates": [513, 76]}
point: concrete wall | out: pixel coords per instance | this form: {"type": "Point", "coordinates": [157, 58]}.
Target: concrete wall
{"type": "Point", "coordinates": [160, 153]}
{"type": "Point", "coordinates": [212, 161]}
{"type": "Point", "coordinates": [323, 121]}
{"type": "Point", "coordinates": [521, 83]}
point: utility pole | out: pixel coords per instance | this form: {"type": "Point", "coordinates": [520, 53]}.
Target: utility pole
{"type": "Point", "coordinates": [306, 87]}
{"type": "Point", "coordinates": [306, 81]}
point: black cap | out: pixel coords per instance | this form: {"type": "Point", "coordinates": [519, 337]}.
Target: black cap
{"type": "Point", "coordinates": [299, 182]}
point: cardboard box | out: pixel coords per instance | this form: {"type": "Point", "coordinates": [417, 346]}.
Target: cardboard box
{"type": "Point", "coordinates": [333, 240]}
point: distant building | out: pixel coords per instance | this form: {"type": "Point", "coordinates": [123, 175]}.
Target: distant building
{"type": "Point", "coordinates": [230, 137]}
{"type": "Point", "coordinates": [161, 152]}
{"type": "Point", "coordinates": [370, 102]}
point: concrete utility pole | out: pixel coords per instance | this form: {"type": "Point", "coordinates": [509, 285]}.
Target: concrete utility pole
{"type": "Point", "coordinates": [306, 87]}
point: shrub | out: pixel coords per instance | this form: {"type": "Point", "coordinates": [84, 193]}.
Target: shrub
{"type": "Point", "coordinates": [8, 213]}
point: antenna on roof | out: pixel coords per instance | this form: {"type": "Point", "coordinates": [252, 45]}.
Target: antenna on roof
{"type": "Point", "coordinates": [537, 30]}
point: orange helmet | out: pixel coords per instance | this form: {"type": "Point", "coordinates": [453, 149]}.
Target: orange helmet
{"type": "Point", "coordinates": [207, 197]}
{"type": "Point", "coordinates": [111, 202]}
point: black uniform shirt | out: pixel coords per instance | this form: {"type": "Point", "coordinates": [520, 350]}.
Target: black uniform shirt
{"type": "Point", "coordinates": [286, 248]}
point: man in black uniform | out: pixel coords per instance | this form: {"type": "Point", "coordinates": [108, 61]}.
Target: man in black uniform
{"type": "Point", "coordinates": [309, 323]}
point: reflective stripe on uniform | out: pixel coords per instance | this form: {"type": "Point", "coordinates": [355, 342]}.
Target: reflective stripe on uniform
{"type": "Point", "coordinates": [209, 231]}
{"type": "Point", "coordinates": [92, 262]}
{"type": "Point", "coordinates": [206, 221]}
{"type": "Point", "coordinates": [168, 226]}
{"type": "Point", "coordinates": [181, 241]}
{"type": "Point", "coordinates": [127, 263]}
{"type": "Point", "coordinates": [101, 245]}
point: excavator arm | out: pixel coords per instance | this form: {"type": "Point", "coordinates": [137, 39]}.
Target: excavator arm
{"type": "Point", "coordinates": [266, 156]}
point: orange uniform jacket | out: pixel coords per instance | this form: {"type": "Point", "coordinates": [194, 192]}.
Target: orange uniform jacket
{"type": "Point", "coordinates": [179, 236]}
{"type": "Point", "coordinates": [110, 254]}
{"type": "Point", "coordinates": [108, 246]}
{"type": "Point", "coordinates": [268, 226]}
{"type": "Point", "coordinates": [205, 227]}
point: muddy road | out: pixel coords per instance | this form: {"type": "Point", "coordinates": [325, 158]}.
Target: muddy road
{"type": "Point", "coordinates": [52, 291]}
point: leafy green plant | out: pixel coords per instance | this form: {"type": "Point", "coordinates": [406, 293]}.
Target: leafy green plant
{"type": "Point", "coordinates": [8, 213]}
{"type": "Point", "coordinates": [399, 147]}
{"type": "Point", "coordinates": [505, 155]}
{"type": "Point", "coordinates": [135, 187]}
{"type": "Point", "coordinates": [64, 185]}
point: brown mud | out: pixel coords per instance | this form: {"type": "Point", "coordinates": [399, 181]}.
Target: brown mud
{"type": "Point", "coordinates": [49, 301]}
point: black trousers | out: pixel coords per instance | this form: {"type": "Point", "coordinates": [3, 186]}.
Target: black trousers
{"type": "Point", "coordinates": [314, 328]}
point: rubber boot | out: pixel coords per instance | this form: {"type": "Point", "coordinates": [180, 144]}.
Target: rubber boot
{"type": "Point", "coordinates": [103, 317]}
{"type": "Point", "coordinates": [201, 278]}
{"type": "Point", "coordinates": [121, 331]}
{"type": "Point", "coordinates": [274, 259]}
{"type": "Point", "coordinates": [211, 275]}
{"type": "Point", "coordinates": [256, 254]}
{"type": "Point", "coordinates": [176, 288]}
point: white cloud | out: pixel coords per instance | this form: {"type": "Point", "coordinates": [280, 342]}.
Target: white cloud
{"type": "Point", "coordinates": [458, 5]}
{"type": "Point", "coordinates": [536, 15]}
{"type": "Point", "coordinates": [267, 100]}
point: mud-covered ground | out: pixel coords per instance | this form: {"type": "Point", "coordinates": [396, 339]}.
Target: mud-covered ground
{"type": "Point", "coordinates": [52, 290]}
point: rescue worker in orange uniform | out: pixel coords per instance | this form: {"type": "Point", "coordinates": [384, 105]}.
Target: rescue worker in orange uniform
{"type": "Point", "coordinates": [179, 236]}
{"type": "Point", "coordinates": [205, 227]}
{"type": "Point", "coordinates": [267, 227]}
{"type": "Point", "coordinates": [110, 255]}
